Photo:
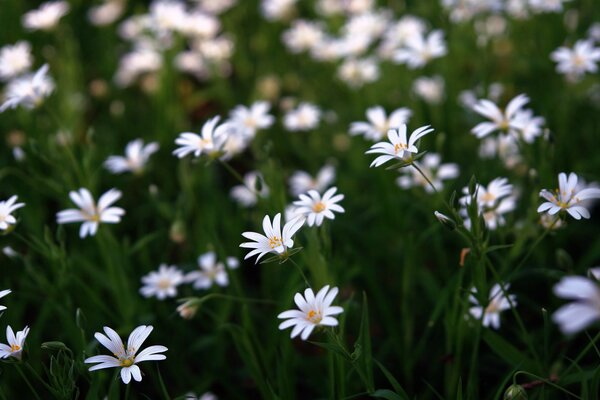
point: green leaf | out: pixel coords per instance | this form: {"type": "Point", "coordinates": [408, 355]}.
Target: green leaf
{"type": "Point", "coordinates": [507, 351]}
{"type": "Point", "coordinates": [363, 346]}
{"type": "Point", "coordinates": [395, 385]}
{"type": "Point", "coordinates": [388, 395]}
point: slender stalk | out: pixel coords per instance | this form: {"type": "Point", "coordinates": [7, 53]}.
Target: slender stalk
{"type": "Point", "coordinates": [163, 388]}
{"type": "Point", "coordinates": [300, 271]}
{"type": "Point", "coordinates": [415, 166]}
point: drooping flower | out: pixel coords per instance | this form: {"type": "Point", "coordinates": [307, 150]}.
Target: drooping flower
{"type": "Point", "coordinates": [379, 124]}
{"type": "Point", "coordinates": [125, 357]}
{"type": "Point", "coordinates": [313, 311]}
{"type": "Point", "coordinates": [210, 142]}
{"type": "Point", "coordinates": [15, 60]}
{"type": "Point", "coordinates": [397, 147]}
{"type": "Point", "coordinates": [498, 301]}
{"type": "Point", "coordinates": [90, 213]}
{"type": "Point", "coordinates": [210, 272]}
{"type": "Point", "coordinates": [247, 194]}
{"type": "Point", "coordinates": [584, 310]}
{"type": "Point", "coordinates": [2, 294]}
{"type": "Point", "coordinates": [500, 120]}
{"type": "Point", "coordinates": [568, 198]}
{"type": "Point", "coordinates": [274, 240]}
{"type": "Point", "coordinates": [136, 157]}
{"type": "Point", "coordinates": [28, 91]}
{"type": "Point", "coordinates": [315, 208]}
{"type": "Point", "coordinates": [162, 283]}
{"type": "Point", "coordinates": [15, 345]}
{"type": "Point", "coordinates": [7, 207]}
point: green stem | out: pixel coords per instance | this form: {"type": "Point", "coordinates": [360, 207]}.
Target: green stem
{"type": "Point", "coordinates": [582, 354]}
{"type": "Point", "coordinates": [546, 381]}
{"type": "Point", "coordinates": [300, 271]}
{"type": "Point", "coordinates": [163, 388]}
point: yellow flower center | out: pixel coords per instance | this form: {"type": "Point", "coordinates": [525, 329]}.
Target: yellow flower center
{"type": "Point", "coordinates": [487, 196]}
{"type": "Point", "coordinates": [314, 316]}
{"type": "Point", "coordinates": [400, 146]}
{"type": "Point", "coordinates": [15, 347]}
{"type": "Point", "coordinates": [492, 307]}
{"type": "Point", "coordinates": [126, 362]}
{"type": "Point", "coordinates": [274, 242]}
{"type": "Point", "coordinates": [164, 283]}
{"type": "Point", "coordinates": [319, 207]}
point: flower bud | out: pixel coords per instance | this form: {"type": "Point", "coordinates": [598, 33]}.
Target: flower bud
{"type": "Point", "coordinates": [515, 392]}
{"type": "Point", "coordinates": [445, 220]}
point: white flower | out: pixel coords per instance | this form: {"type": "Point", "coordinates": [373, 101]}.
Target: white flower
{"type": "Point", "coordinates": [577, 61]}
{"type": "Point", "coordinates": [7, 207]}
{"type": "Point", "coordinates": [305, 117]}
{"type": "Point", "coordinates": [584, 310]}
{"type": "Point", "coordinates": [419, 50]}
{"type": "Point", "coordinates": [211, 142]}
{"type": "Point", "coordinates": [210, 272]}
{"type": "Point", "coordinates": [528, 126]}
{"type": "Point", "coordinates": [500, 120]}
{"type": "Point", "coordinates": [498, 302]}
{"type": "Point", "coordinates": [303, 35]}
{"type": "Point", "coordinates": [567, 197]}
{"type": "Point", "coordinates": [433, 169]}
{"type": "Point", "coordinates": [504, 147]}
{"type": "Point", "coordinates": [15, 343]}
{"type": "Point", "coordinates": [162, 283]}
{"type": "Point", "coordinates": [316, 208]}
{"type": "Point", "coordinates": [246, 194]}
{"type": "Point", "coordinates": [46, 16]}
{"type": "Point", "coordinates": [136, 157]}
{"type": "Point", "coordinates": [430, 89]}
{"type": "Point", "coordinates": [379, 124]}
{"type": "Point", "coordinates": [167, 15]}
{"type": "Point", "coordinates": [277, 10]}
{"type": "Point", "coordinates": [90, 213]}
{"type": "Point", "coordinates": [493, 202]}
{"type": "Point", "coordinates": [313, 311]}
{"type": "Point", "coordinates": [274, 241]}
{"type": "Point", "coordinates": [2, 294]}
{"type": "Point", "coordinates": [547, 5]}
{"type": "Point", "coordinates": [398, 145]}
{"type": "Point", "coordinates": [253, 118]}
{"type": "Point", "coordinates": [126, 358]}
{"type": "Point", "coordinates": [301, 181]}
{"type": "Point", "coordinates": [135, 63]}
{"type": "Point", "coordinates": [29, 90]}
{"type": "Point", "coordinates": [358, 72]}
{"type": "Point", "coordinates": [15, 60]}
{"type": "Point", "coordinates": [106, 13]}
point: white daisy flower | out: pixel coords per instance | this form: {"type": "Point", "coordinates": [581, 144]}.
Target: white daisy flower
{"type": "Point", "coordinates": [7, 207]}
{"type": "Point", "coordinates": [493, 202]}
{"type": "Point", "coordinates": [397, 147]}
{"type": "Point", "coordinates": [15, 60]}
{"type": "Point", "coordinates": [162, 283]}
{"type": "Point", "coordinates": [584, 310]}
{"type": "Point", "coordinates": [303, 118]}
{"type": "Point", "coordinates": [500, 120]}
{"type": "Point", "coordinates": [2, 294]}
{"type": "Point", "coordinates": [29, 90]}
{"type": "Point", "coordinates": [528, 126]}
{"type": "Point", "coordinates": [379, 124]}
{"type": "Point", "coordinates": [90, 213]}
{"type": "Point", "coordinates": [435, 171]}
{"type": "Point", "coordinates": [498, 302]}
{"type": "Point", "coordinates": [211, 142]}
{"type": "Point", "coordinates": [46, 16]}
{"type": "Point", "coordinates": [313, 311]}
{"type": "Point", "coordinates": [136, 157]}
{"type": "Point", "coordinates": [575, 62]}
{"type": "Point", "coordinates": [247, 195]}
{"type": "Point", "coordinates": [15, 343]}
{"type": "Point", "coordinates": [568, 198]}
{"type": "Point", "coordinates": [419, 49]}
{"type": "Point", "coordinates": [125, 357]}
{"type": "Point", "coordinates": [301, 181]}
{"type": "Point", "coordinates": [274, 240]}
{"type": "Point", "coordinates": [210, 272]}
{"type": "Point", "coordinates": [316, 208]}
{"type": "Point", "coordinates": [252, 119]}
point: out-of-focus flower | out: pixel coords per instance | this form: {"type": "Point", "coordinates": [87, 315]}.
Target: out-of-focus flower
{"type": "Point", "coordinates": [46, 16]}
{"type": "Point", "coordinates": [125, 357]}
{"type": "Point", "coordinates": [277, 10]}
{"type": "Point", "coordinates": [274, 240]}
{"type": "Point", "coordinates": [431, 90]}
{"type": "Point", "coordinates": [575, 62]}
{"type": "Point", "coordinates": [397, 147]}
{"type": "Point", "coordinates": [500, 120]}
{"type": "Point", "coordinates": [90, 213]}
{"type": "Point", "coordinates": [505, 147]}
{"type": "Point", "coordinates": [106, 13]}
{"type": "Point", "coordinates": [314, 310]}
{"type": "Point", "coordinates": [303, 36]}
{"type": "Point", "coordinates": [498, 301]}
{"type": "Point", "coordinates": [7, 207]}
{"type": "Point", "coordinates": [2, 294]}
{"type": "Point", "coordinates": [162, 283]}
{"type": "Point", "coordinates": [493, 202]}
{"type": "Point", "coordinates": [253, 118]}
{"type": "Point", "coordinates": [528, 126]}
{"type": "Point", "coordinates": [358, 72]}
{"type": "Point", "coordinates": [210, 272]}
{"type": "Point", "coordinates": [419, 50]}
{"type": "Point", "coordinates": [15, 343]}
{"type": "Point", "coordinates": [210, 143]}
{"type": "Point", "coordinates": [247, 194]}
{"type": "Point", "coordinates": [14, 60]}
{"type": "Point", "coordinates": [303, 118]}
{"type": "Point", "coordinates": [316, 208]}
{"type": "Point", "coordinates": [137, 62]}
{"type": "Point", "coordinates": [584, 310]}
{"type": "Point", "coordinates": [399, 33]}
{"type": "Point", "coordinates": [379, 124]}
{"type": "Point", "coordinates": [568, 198]}
{"type": "Point", "coordinates": [136, 157]}
{"type": "Point", "coordinates": [28, 91]}
{"type": "Point", "coordinates": [435, 171]}
{"type": "Point", "coordinates": [547, 5]}
{"type": "Point", "coordinates": [302, 182]}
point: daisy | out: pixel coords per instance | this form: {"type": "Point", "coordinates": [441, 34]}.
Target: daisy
{"type": "Point", "coordinates": [313, 311]}
{"type": "Point", "coordinates": [398, 146]}
{"type": "Point", "coordinates": [90, 213]}
{"type": "Point", "coordinates": [29, 90]}
{"type": "Point", "coordinates": [210, 272]}
{"type": "Point", "coordinates": [301, 181]}
{"type": "Point", "coordinates": [498, 302]}
{"type": "Point", "coordinates": [435, 171]}
{"type": "Point", "coordinates": [212, 139]}
{"type": "Point", "coordinates": [15, 60]}
{"type": "Point", "coordinates": [136, 157]}
{"type": "Point", "coordinates": [379, 124]}
{"type": "Point", "coordinates": [2, 294]}
{"type": "Point", "coordinates": [500, 120]}
{"type": "Point", "coordinates": [126, 358]}
{"type": "Point", "coordinates": [274, 240]}
{"type": "Point", "coordinates": [7, 207]}
{"type": "Point", "coordinates": [419, 49]}
{"type": "Point", "coordinates": [247, 195]}
{"type": "Point", "coordinates": [568, 198]}
{"type": "Point", "coordinates": [303, 118]}
{"type": "Point", "coordinates": [316, 208]}
{"type": "Point", "coordinates": [575, 62]}
{"type": "Point", "coordinates": [162, 283]}
{"type": "Point", "coordinates": [584, 310]}
{"type": "Point", "coordinates": [253, 118]}
{"type": "Point", "coordinates": [15, 343]}
{"type": "Point", "coordinates": [46, 16]}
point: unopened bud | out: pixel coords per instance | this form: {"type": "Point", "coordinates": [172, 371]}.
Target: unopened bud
{"type": "Point", "coordinates": [515, 392]}
{"type": "Point", "coordinates": [445, 220]}
{"type": "Point", "coordinates": [188, 309]}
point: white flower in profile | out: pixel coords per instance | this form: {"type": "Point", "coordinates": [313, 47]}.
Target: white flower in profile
{"type": "Point", "coordinates": [136, 157]}
{"type": "Point", "coordinates": [253, 118]}
{"type": "Point", "coordinates": [2, 294]}
{"type": "Point", "coordinates": [419, 49]}
{"type": "Point", "coordinates": [274, 240]}
{"type": "Point", "coordinates": [303, 118]}
{"type": "Point", "coordinates": [15, 343]}
{"type": "Point", "coordinates": [210, 142]}
{"type": "Point", "coordinates": [500, 120]}
{"type": "Point", "coordinates": [498, 301]}
{"type": "Point", "coordinates": [397, 147]}
{"type": "Point", "coordinates": [568, 198]}
{"type": "Point", "coordinates": [46, 16]}
{"type": "Point", "coordinates": [301, 181]}
{"type": "Point", "coordinates": [15, 60]}
{"type": "Point", "coordinates": [210, 272]}
{"type": "Point", "coordinates": [162, 283]}
{"type": "Point", "coordinates": [90, 213]}
{"type": "Point", "coordinates": [379, 124]}
{"type": "Point", "coordinates": [125, 357]}
{"type": "Point", "coordinates": [247, 194]}
{"type": "Point", "coordinates": [7, 207]}
{"type": "Point", "coordinates": [29, 90]}
{"type": "Point", "coordinates": [316, 208]}
{"type": "Point", "coordinates": [575, 62]}
{"type": "Point", "coordinates": [313, 311]}
{"type": "Point", "coordinates": [435, 171]}
{"type": "Point", "coordinates": [584, 310]}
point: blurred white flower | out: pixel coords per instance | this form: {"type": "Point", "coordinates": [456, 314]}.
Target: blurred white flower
{"type": "Point", "coordinates": [584, 310]}
{"type": "Point", "coordinates": [106, 13]}
{"type": "Point", "coordinates": [493, 201]}
{"type": "Point", "coordinates": [15, 343]}
{"type": "Point", "coordinates": [547, 5]}
{"type": "Point", "coordinates": [46, 16]}
{"type": "Point", "coordinates": [430, 89]}
{"type": "Point", "coordinates": [379, 124]}
{"type": "Point", "coordinates": [315, 208]}
{"type": "Point", "coordinates": [136, 157]}
{"type": "Point", "coordinates": [137, 62]}
{"type": "Point", "coordinates": [356, 73]}
{"type": "Point", "coordinates": [527, 126]}
{"type": "Point", "coordinates": [247, 194]}
{"type": "Point", "coordinates": [167, 15]}
{"type": "Point", "coordinates": [419, 50]}
{"type": "Point", "coordinates": [29, 90]}
{"type": "Point", "coordinates": [397, 147]}
{"type": "Point", "coordinates": [432, 167]}
{"type": "Point", "coordinates": [498, 301]}
{"type": "Point", "coordinates": [15, 60]}
{"type": "Point", "coordinates": [303, 35]}
{"type": "Point", "coordinates": [200, 25]}
{"type": "Point", "coordinates": [277, 10]}
{"type": "Point", "coordinates": [162, 283]}
{"type": "Point", "coordinates": [500, 120]}
{"type": "Point", "coordinates": [215, 6]}
{"type": "Point", "coordinates": [7, 207]}
{"type": "Point", "coordinates": [399, 33]}
{"type": "Point", "coordinates": [302, 182]}
{"type": "Point", "coordinates": [253, 118]}
{"type": "Point", "coordinates": [568, 198]}
{"type": "Point", "coordinates": [125, 357]}
{"type": "Point", "coordinates": [313, 311]}
{"type": "Point", "coordinates": [274, 240]}
{"type": "Point", "coordinates": [575, 62]}
{"type": "Point", "coordinates": [90, 213]}
{"type": "Point", "coordinates": [211, 142]}
{"type": "Point", "coordinates": [303, 118]}
{"type": "Point", "coordinates": [505, 147]}
{"type": "Point", "coordinates": [210, 272]}
{"type": "Point", "coordinates": [2, 294]}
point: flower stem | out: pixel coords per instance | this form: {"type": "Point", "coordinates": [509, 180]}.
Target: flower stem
{"type": "Point", "coordinates": [301, 273]}
{"type": "Point", "coordinates": [415, 166]}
